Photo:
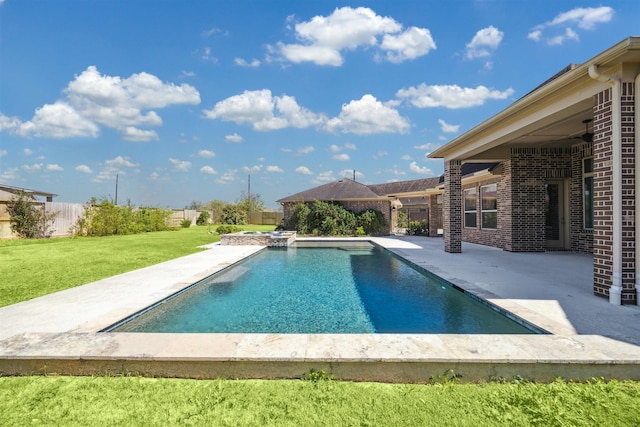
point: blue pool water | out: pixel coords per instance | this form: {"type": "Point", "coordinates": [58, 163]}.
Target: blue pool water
{"type": "Point", "coordinates": [323, 290]}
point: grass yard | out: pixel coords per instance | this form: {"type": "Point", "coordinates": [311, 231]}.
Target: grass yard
{"type": "Point", "coordinates": [132, 401]}
{"type": "Point", "coordinates": [30, 268]}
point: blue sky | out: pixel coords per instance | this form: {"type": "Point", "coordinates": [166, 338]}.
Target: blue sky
{"type": "Point", "coordinates": [184, 100]}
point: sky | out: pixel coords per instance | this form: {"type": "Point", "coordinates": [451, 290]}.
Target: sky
{"type": "Point", "coordinates": [208, 100]}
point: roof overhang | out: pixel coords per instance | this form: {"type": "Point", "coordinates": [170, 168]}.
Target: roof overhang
{"type": "Point", "coordinates": [550, 115]}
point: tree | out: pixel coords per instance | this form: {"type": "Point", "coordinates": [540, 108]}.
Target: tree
{"type": "Point", "coordinates": [234, 214]}
{"type": "Point", "coordinates": [215, 207]}
{"type": "Point", "coordinates": [195, 205]}
{"type": "Point", "coordinates": [250, 203]}
{"type": "Point", "coordinates": [28, 219]}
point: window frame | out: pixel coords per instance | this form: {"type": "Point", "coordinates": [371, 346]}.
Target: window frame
{"type": "Point", "coordinates": [467, 211]}
{"type": "Point", "coordinates": [488, 211]}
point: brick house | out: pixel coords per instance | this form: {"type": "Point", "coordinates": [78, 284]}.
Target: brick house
{"type": "Point", "coordinates": [562, 175]}
{"type": "Point", "coordinates": [357, 197]}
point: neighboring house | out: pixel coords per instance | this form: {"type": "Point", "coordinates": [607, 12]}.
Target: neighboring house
{"type": "Point", "coordinates": [563, 175]}
{"type": "Point", "coordinates": [7, 192]}
{"type": "Point", "coordinates": [358, 197]}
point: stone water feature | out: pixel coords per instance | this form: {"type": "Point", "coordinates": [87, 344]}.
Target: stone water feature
{"type": "Point", "coordinates": [272, 239]}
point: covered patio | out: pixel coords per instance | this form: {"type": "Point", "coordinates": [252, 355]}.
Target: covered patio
{"type": "Point", "coordinates": [566, 180]}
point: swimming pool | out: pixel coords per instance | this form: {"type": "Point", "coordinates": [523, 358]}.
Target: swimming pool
{"type": "Point", "coordinates": [322, 290]}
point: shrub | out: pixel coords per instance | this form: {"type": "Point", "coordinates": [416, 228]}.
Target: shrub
{"type": "Point", "coordinates": [105, 218]}
{"type": "Point", "coordinates": [331, 219]}
{"type": "Point", "coordinates": [418, 228]}
{"type": "Point", "coordinates": [27, 219]}
{"type": "Point", "coordinates": [227, 229]}
{"type": "Point", "coordinates": [372, 222]}
{"type": "Point", "coordinates": [233, 214]}
{"type": "Point", "coordinates": [185, 223]}
{"type": "Point", "coordinates": [203, 218]}
{"type": "Point", "coordinates": [299, 219]}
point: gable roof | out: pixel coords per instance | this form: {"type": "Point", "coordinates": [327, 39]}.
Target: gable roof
{"type": "Point", "coordinates": [344, 189]}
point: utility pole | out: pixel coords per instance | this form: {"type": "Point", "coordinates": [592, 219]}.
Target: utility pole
{"type": "Point", "coordinates": [354, 174]}
{"type": "Point", "coordinates": [116, 189]}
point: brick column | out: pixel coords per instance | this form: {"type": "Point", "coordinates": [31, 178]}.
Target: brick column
{"type": "Point", "coordinates": [435, 215]}
{"type": "Point", "coordinates": [452, 206]}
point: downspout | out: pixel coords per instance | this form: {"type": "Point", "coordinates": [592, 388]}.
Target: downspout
{"type": "Point", "coordinates": [615, 292]}
{"type": "Point", "coordinates": [636, 93]}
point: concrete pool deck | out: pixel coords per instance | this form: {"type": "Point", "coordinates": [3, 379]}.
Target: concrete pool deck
{"type": "Point", "coordinates": [58, 333]}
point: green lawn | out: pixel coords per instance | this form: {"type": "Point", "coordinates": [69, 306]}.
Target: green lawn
{"type": "Point", "coordinates": [133, 401]}
{"type": "Point", "coordinates": [32, 268]}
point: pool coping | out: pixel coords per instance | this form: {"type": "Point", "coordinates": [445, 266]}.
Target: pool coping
{"type": "Point", "coordinates": [58, 334]}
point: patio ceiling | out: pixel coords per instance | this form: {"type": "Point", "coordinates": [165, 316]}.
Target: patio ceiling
{"type": "Point", "coordinates": [551, 115]}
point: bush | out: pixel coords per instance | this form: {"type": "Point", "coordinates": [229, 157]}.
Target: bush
{"type": "Point", "coordinates": [372, 221]}
{"type": "Point", "coordinates": [185, 223]}
{"type": "Point", "coordinates": [332, 219]}
{"type": "Point", "coordinates": [418, 228]}
{"type": "Point", "coordinates": [233, 214]}
{"type": "Point", "coordinates": [27, 219]}
{"type": "Point", "coordinates": [203, 218]}
{"type": "Point", "coordinates": [227, 229]}
{"type": "Point", "coordinates": [105, 218]}
{"type": "Point", "coordinates": [299, 219]}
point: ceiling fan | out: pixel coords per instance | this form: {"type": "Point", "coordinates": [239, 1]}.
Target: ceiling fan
{"type": "Point", "coordinates": [587, 136]}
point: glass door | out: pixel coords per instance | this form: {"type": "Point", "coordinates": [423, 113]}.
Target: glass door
{"type": "Point", "coordinates": [554, 206]}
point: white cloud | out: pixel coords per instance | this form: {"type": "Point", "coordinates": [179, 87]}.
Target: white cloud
{"type": "Point", "coordinates": [264, 111]}
{"type": "Point", "coordinates": [55, 168]}
{"type": "Point", "coordinates": [406, 157]}
{"type": "Point", "coordinates": [92, 99]}
{"type": "Point", "coordinates": [380, 154]}
{"type": "Point", "coordinates": [84, 169]}
{"type": "Point", "coordinates": [413, 166]}
{"type": "Point", "coordinates": [27, 151]}
{"type": "Point", "coordinates": [585, 18]}
{"type": "Point", "coordinates": [180, 165]}
{"type": "Point", "coordinates": [303, 170]}
{"type": "Point", "coordinates": [368, 116]}
{"type": "Point", "coordinates": [206, 154]}
{"type": "Point", "coordinates": [484, 42]}
{"type": "Point", "coordinates": [120, 161]}
{"type": "Point", "coordinates": [324, 39]}
{"type": "Point", "coordinates": [3, 153]}
{"type": "Point", "coordinates": [447, 128]}
{"type": "Point", "coordinates": [33, 168]}
{"type": "Point", "coordinates": [341, 157]}
{"type": "Point", "coordinates": [450, 96]}
{"type": "Point", "coordinates": [227, 177]}
{"type": "Point", "coordinates": [207, 56]}
{"type": "Point", "coordinates": [428, 146]}
{"type": "Point", "coordinates": [134, 134]}
{"type": "Point", "coordinates": [234, 137]}
{"type": "Point", "coordinates": [252, 169]}
{"type": "Point", "coordinates": [10, 174]}
{"type": "Point", "coordinates": [208, 170]}
{"type": "Point", "coordinates": [303, 151]}
{"type": "Point", "coordinates": [336, 148]}
{"type": "Point", "coordinates": [243, 63]}
{"type": "Point", "coordinates": [277, 169]}
{"type": "Point", "coordinates": [324, 177]}
{"type": "Point", "coordinates": [409, 45]}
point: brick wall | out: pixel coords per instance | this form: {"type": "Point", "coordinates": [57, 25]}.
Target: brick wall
{"type": "Point", "coordinates": [435, 214]}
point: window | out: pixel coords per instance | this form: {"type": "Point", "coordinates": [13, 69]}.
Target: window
{"type": "Point", "coordinates": [587, 191]}
{"type": "Point", "coordinates": [489, 206]}
{"type": "Point", "coordinates": [470, 208]}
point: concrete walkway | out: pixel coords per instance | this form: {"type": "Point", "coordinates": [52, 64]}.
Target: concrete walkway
{"type": "Point", "coordinates": [58, 333]}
